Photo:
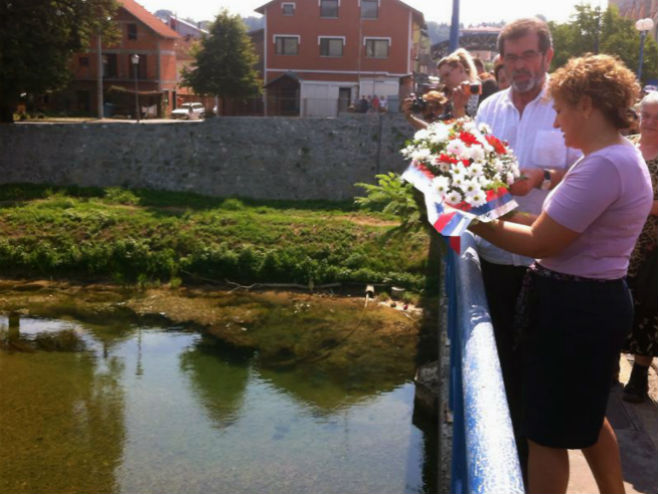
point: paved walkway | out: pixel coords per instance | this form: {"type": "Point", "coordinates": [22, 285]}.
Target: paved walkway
{"type": "Point", "coordinates": [636, 426]}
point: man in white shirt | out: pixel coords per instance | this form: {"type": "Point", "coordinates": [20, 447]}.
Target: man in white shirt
{"type": "Point", "coordinates": [523, 116]}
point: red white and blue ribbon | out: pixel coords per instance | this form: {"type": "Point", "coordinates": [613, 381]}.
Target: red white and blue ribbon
{"type": "Point", "coordinates": [451, 221]}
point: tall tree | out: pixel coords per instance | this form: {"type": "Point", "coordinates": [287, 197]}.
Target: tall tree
{"type": "Point", "coordinates": [593, 30]}
{"type": "Point", "coordinates": [224, 62]}
{"type": "Point", "coordinates": [37, 40]}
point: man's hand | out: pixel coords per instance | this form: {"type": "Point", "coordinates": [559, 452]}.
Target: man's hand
{"type": "Point", "coordinates": [531, 178]}
{"type": "Point", "coordinates": [415, 122]}
{"type": "Point", "coordinates": [406, 104]}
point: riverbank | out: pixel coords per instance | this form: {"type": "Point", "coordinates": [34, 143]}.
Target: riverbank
{"type": "Point", "coordinates": [287, 329]}
{"type": "Point", "coordinates": [150, 237]}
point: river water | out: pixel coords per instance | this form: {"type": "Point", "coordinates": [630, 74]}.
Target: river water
{"type": "Point", "coordinates": [106, 407]}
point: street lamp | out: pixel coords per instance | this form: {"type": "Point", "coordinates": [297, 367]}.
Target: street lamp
{"type": "Point", "coordinates": [134, 59]}
{"type": "Point", "coordinates": [643, 25]}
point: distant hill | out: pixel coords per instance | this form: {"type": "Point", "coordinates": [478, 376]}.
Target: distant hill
{"type": "Point", "coordinates": [254, 22]}
{"type": "Point", "coordinates": [438, 32]}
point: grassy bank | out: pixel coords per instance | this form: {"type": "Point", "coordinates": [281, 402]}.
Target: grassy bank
{"type": "Point", "coordinates": [143, 236]}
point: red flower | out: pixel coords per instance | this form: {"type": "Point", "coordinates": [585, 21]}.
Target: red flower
{"type": "Point", "coordinates": [446, 158]}
{"type": "Point", "coordinates": [468, 138]}
{"type": "Point", "coordinates": [498, 146]}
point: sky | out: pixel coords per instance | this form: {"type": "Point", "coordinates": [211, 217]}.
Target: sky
{"type": "Point", "coordinates": [471, 11]}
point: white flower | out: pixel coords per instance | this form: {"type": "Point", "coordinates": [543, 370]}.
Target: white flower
{"type": "Point", "coordinates": [478, 199]}
{"type": "Point", "coordinates": [458, 180]}
{"type": "Point", "coordinates": [476, 169]}
{"type": "Point", "coordinates": [408, 151]}
{"type": "Point", "coordinates": [439, 133]}
{"type": "Point", "coordinates": [469, 126]}
{"type": "Point", "coordinates": [422, 135]}
{"type": "Point", "coordinates": [454, 197]}
{"type": "Point", "coordinates": [441, 185]}
{"type": "Point", "coordinates": [457, 148]}
{"type": "Point", "coordinates": [422, 154]}
{"type": "Point", "coordinates": [470, 187]}
{"type": "Point", "coordinates": [484, 128]}
{"type": "Point", "coordinates": [476, 153]}
{"type": "Point", "coordinates": [510, 179]}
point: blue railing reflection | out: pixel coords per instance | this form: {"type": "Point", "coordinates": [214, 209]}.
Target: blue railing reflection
{"type": "Point", "coordinates": [484, 457]}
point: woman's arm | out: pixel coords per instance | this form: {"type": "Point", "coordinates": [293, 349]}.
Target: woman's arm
{"type": "Point", "coordinates": [543, 238]}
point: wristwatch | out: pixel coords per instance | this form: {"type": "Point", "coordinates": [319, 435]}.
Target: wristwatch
{"type": "Point", "coordinates": [546, 183]}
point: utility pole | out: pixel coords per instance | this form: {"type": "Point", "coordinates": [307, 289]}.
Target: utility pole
{"type": "Point", "coordinates": [99, 77]}
{"type": "Point", "coordinates": [454, 26]}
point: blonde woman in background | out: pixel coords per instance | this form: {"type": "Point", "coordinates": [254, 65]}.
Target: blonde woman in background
{"type": "Point", "coordinates": [459, 75]}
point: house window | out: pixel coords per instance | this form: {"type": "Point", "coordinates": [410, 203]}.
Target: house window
{"type": "Point", "coordinates": [369, 9]}
{"type": "Point", "coordinates": [287, 45]}
{"type": "Point", "coordinates": [110, 65]}
{"type": "Point", "coordinates": [83, 61]}
{"type": "Point", "coordinates": [288, 8]}
{"type": "Point", "coordinates": [329, 8]}
{"type": "Point", "coordinates": [331, 47]}
{"type": "Point", "coordinates": [377, 47]}
{"type": "Point", "coordinates": [132, 31]}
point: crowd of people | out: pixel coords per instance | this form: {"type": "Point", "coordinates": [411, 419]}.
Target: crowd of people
{"type": "Point", "coordinates": [571, 276]}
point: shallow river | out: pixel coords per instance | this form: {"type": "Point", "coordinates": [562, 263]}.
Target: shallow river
{"type": "Point", "coordinates": [87, 408]}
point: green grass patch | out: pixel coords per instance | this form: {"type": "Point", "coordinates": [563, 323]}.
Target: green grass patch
{"type": "Point", "coordinates": [146, 236]}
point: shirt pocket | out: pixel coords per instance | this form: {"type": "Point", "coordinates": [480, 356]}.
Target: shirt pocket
{"type": "Point", "coordinates": [549, 150]}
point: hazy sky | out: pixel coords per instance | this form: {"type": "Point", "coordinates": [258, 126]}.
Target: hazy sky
{"type": "Point", "coordinates": [471, 11]}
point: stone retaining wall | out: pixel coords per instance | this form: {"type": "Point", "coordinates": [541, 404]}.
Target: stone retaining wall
{"type": "Point", "coordinates": [256, 157]}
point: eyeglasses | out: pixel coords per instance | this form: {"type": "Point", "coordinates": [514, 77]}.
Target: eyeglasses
{"type": "Point", "coordinates": [526, 56]}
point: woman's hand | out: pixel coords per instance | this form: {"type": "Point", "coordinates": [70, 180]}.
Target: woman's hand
{"type": "Point", "coordinates": [460, 96]}
{"type": "Point", "coordinates": [530, 178]}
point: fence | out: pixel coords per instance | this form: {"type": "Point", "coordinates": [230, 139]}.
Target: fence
{"type": "Point", "coordinates": [484, 456]}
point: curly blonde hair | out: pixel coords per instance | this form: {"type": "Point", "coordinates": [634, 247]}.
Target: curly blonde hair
{"type": "Point", "coordinates": [460, 57]}
{"type": "Point", "coordinates": [612, 87]}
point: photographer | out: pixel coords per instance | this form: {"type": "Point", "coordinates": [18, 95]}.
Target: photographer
{"type": "Point", "coordinates": [420, 111]}
{"type": "Point", "coordinates": [459, 75]}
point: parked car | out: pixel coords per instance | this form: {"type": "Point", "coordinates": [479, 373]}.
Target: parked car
{"type": "Point", "coordinates": [189, 111]}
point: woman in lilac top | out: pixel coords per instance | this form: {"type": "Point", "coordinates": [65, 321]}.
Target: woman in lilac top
{"type": "Point", "coordinates": [575, 307]}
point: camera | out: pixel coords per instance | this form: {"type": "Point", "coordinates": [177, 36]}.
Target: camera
{"type": "Point", "coordinates": [474, 88]}
{"type": "Point", "coordinates": [418, 105]}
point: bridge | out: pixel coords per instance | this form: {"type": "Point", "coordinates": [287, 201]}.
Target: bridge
{"type": "Point", "coordinates": [476, 39]}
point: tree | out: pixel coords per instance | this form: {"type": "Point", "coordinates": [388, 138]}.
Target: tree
{"type": "Point", "coordinates": [224, 61]}
{"type": "Point", "coordinates": [593, 30]}
{"type": "Point", "coordinates": [38, 39]}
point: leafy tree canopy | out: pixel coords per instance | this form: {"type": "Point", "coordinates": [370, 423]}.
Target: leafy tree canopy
{"type": "Point", "coordinates": [37, 40]}
{"type": "Point", "coordinates": [224, 61]}
{"type": "Point", "coordinates": [592, 30]}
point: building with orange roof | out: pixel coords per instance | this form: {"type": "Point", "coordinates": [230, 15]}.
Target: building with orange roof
{"type": "Point", "coordinates": [322, 56]}
{"type": "Point", "coordinates": [153, 79]}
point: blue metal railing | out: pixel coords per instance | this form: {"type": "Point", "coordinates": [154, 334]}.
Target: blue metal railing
{"type": "Point", "coordinates": [484, 456]}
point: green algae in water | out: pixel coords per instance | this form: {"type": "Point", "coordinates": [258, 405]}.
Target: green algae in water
{"type": "Point", "coordinates": [162, 409]}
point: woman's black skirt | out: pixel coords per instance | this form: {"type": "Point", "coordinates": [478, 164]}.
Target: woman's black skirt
{"type": "Point", "coordinates": [572, 330]}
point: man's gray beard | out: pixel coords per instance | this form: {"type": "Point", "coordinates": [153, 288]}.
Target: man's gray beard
{"type": "Point", "coordinates": [532, 83]}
